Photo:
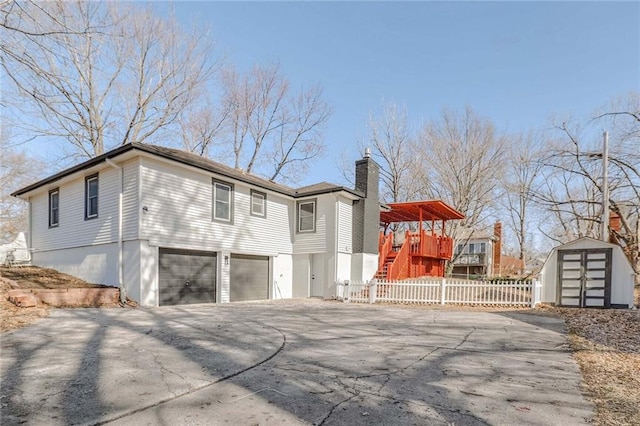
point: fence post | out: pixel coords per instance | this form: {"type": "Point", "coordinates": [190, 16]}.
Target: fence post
{"type": "Point", "coordinates": [372, 292]}
{"type": "Point", "coordinates": [535, 293]}
{"type": "Point", "coordinates": [346, 292]}
{"type": "Point", "coordinates": [443, 287]}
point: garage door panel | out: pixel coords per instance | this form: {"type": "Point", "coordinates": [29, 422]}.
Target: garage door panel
{"type": "Point", "coordinates": [186, 277]}
{"type": "Point", "coordinates": [249, 278]}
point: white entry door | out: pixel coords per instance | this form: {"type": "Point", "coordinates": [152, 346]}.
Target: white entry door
{"type": "Point", "coordinates": [316, 287]}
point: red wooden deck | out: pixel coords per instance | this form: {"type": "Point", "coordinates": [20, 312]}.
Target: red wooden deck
{"type": "Point", "coordinates": [415, 253]}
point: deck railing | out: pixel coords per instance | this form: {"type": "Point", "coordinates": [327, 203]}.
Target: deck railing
{"type": "Point", "coordinates": [442, 291]}
{"type": "Point", "coordinates": [385, 246]}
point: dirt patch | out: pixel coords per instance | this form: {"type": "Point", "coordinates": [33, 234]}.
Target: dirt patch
{"type": "Point", "coordinates": [12, 317]}
{"type": "Point", "coordinates": [606, 345]}
{"type": "Point", "coordinates": [33, 277]}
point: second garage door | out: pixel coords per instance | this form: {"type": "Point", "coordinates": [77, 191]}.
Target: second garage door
{"type": "Point", "coordinates": [249, 278]}
{"type": "Point", "coordinates": [186, 277]}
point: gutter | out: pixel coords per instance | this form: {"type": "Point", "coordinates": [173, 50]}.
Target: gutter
{"type": "Point", "coordinates": [123, 295]}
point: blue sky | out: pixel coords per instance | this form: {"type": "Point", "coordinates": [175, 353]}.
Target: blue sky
{"type": "Point", "coordinates": [517, 63]}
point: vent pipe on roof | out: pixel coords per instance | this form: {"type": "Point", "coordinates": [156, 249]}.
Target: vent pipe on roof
{"type": "Point", "coordinates": [367, 153]}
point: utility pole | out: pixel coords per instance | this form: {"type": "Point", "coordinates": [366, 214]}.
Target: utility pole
{"type": "Point", "coordinates": [605, 188]}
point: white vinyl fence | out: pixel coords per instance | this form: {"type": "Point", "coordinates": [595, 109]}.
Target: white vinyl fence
{"type": "Point", "coordinates": [442, 291]}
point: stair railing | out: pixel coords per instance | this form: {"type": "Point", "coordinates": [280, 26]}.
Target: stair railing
{"type": "Point", "coordinates": [400, 265]}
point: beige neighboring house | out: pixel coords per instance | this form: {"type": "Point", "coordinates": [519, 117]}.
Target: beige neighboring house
{"type": "Point", "coordinates": [478, 254]}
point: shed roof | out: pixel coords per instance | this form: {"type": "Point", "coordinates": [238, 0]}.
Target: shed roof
{"type": "Point", "coordinates": [413, 211]}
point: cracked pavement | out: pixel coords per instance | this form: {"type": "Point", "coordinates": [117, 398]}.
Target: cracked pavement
{"type": "Point", "coordinates": [289, 362]}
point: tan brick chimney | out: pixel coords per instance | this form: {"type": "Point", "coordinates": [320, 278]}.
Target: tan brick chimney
{"type": "Point", "coordinates": [497, 250]}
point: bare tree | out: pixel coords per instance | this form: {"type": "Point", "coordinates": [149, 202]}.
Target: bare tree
{"type": "Point", "coordinates": [573, 178]}
{"type": "Point", "coordinates": [98, 75]}
{"type": "Point", "coordinates": [392, 141]}
{"type": "Point", "coordinates": [270, 130]}
{"type": "Point", "coordinates": [16, 169]}
{"type": "Point", "coordinates": [461, 157]}
{"type": "Point", "coordinates": [520, 180]}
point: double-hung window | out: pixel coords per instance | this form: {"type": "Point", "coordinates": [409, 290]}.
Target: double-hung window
{"type": "Point", "coordinates": [258, 203]}
{"type": "Point", "coordinates": [307, 216]}
{"type": "Point", "coordinates": [222, 201]}
{"type": "Point", "coordinates": [91, 197]}
{"type": "Point", "coordinates": [54, 207]}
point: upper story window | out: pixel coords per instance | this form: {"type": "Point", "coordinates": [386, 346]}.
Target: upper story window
{"type": "Point", "coordinates": [91, 197]}
{"type": "Point", "coordinates": [471, 248]}
{"type": "Point", "coordinates": [222, 201]}
{"type": "Point", "coordinates": [307, 216]}
{"type": "Point", "coordinates": [258, 203]}
{"type": "Point", "coordinates": [54, 207]}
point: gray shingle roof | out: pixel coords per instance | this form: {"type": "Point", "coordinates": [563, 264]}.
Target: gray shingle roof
{"type": "Point", "coordinates": [193, 160]}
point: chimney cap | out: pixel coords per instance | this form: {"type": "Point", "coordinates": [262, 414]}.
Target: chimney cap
{"type": "Point", "coordinates": [367, 152]}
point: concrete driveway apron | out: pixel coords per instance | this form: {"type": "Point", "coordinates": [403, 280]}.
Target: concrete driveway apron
{"type": "Point", "coordinates": [290, 362]}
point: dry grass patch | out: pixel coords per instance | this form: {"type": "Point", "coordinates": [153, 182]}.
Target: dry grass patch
{"type": "Point", "coordinates": [606, 345]}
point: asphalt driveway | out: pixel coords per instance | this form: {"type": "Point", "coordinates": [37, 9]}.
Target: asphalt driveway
{"type": "Point", "coordinates": [291, 362]}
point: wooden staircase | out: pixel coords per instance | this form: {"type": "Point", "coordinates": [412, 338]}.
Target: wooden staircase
{"type": "Point", "coordinates": [382, 273]}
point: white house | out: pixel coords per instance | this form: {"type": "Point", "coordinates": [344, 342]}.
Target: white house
{"type": "Point", "coordinates": [587, 273]}
{"type": "Point", "coordinates": [170, 227]}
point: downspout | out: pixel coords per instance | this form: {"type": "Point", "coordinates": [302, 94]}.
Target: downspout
{"type": "Point", "coordinates": [335, 272]}
{"type": "Point", "coordinates": [123, 295]}
{"type": "Point", "coordinates": [30, 230]}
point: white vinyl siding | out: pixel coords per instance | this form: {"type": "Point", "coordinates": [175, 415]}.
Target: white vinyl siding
{"type": "Point", "coordinates": [130, 206]}
{"type": "Point", "coordinates": [179, 203]}
{"type": "Point", "coordinates": [317, 242]}
{"type": "Point", "coordinates": [345, 210]}
{"type": "Point", "coordinates": [74, 230]}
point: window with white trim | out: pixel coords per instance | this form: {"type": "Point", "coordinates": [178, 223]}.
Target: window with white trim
{"type": "Point", "coordinates": [258, 203]}
{"type": "Point", "coordinates": [307, 216]}
{"type": "Point", "coordinates": [222, 201]}
{"type": "Point", "coordinates": [54, 207]}
{"type": "Point", "coordinates": [91, 197]}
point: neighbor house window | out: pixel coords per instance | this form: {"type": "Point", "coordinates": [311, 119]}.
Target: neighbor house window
{"type": "Point", "coordinates": [54, 207]}
{"type": "Point", "coordinates": [91, 197]}
{"type": "Point", "coordinates": [222, 201]}
{"type": "Point", "coordinates": [483, 247]}
{"type": "Point", "coordinates": [307, 216]}
{"type": "Point", "coordinates": [258, 203]}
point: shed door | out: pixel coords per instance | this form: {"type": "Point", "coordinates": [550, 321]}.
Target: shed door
{"type": "Point", "coordinates": [186, 277]}
{"type": "Point", "coordinates": [584, 278]}
{"type": "Point", "coordinates": [249, 277]}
